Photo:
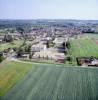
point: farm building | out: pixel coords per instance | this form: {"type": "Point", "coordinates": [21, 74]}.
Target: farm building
{"type": "Point", "coordinates": [38, 47]}
{"type": "Point", "coordinates": [87, 61]}
{"type": "Point", "coordinates": [56, 56]}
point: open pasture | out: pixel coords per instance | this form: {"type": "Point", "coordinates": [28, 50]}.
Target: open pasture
{"type": "Point", "coordinates": [14, 44]}
{"type": "Point", "coordinates": [83, 48]}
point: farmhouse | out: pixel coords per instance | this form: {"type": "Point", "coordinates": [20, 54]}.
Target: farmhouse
{"type": "Point", "coordinates": [50, 55]}
{"type": "Point", "coordinates": [87, 61]}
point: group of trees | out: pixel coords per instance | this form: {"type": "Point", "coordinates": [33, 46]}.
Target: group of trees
{"type": "Point", "coordinates": [69, 59]}
{"type": "Point", "coordinates": [49, 44]}
{"type": "Point", "coordinates": [24, 49]}
{"type": "Point", "coordinates": [23, 30]}
{"type": "Point", "coordinates": [68, 44]}
{"type": "Point", "coordinates": [8, 38]}
{"type": "Point", "coordinates": [1, 57]}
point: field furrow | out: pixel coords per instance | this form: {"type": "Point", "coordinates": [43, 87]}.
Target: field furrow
{"type": "Point", "coordinates": [51, 82]}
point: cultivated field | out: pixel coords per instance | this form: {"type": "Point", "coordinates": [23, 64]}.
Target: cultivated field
{"type": "Point", "coordinates": [33, 81]}
{"type": "Point", "coordinates": [84, 48]}
{"type": "Point", "coordinates": [10, 73]}
{"type": "Point", "coordinates": [54, 82]}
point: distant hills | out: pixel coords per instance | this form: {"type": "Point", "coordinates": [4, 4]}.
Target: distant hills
{"type": "Point", "coordinates": [46, 22]}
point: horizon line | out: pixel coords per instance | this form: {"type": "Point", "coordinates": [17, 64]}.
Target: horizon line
{"type": "Point", "coordinates": [46, 19]}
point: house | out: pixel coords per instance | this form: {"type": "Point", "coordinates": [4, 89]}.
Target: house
{"type": "Point", "coordinates": [59, 57]}
{"type": "Point", "coordinates": [87, 61]}
{"type": "Point", "coordinates": [94, 62]}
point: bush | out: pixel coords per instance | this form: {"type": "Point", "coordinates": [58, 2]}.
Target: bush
{"type": "Point", "coordinates": [30, 56]}
{"type": "Point", "coordinates": [68, 45]}
{"type": "Point", "coordinates": [1, 58]}
{"type": "Point", "coordinates": [69, 59]}
{"type": "Point", "coordinates": [20, 52]}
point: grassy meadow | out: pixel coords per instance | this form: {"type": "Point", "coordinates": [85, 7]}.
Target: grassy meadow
{"type": "Point", "coordinates": [13, 44]}
{"type": "Point", "coordinates": [10, 73]}
{"type": "Point", "coordinates": [83, 48]}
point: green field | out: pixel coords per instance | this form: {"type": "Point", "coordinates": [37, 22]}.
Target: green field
{"type": "Point", "coordinates": [33, 81]}
{"type": "Point", "coordinates": [91, 35]}
{"type": "Point", "coordinates": [51, 82]}
{"type": "Point", "coordinates": [83, 48]}
{"type": "Point", "coordinates": [10, 73]}
{"type": "Point", "coordinates": [13, 44]}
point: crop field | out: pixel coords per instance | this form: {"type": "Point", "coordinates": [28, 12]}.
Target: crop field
{"type": "Point", "coordinates": [55, 82]}
{"type": "Point", "coordinates": [83, 48]}
{"type": "Point", "coordinates": [10, 73]}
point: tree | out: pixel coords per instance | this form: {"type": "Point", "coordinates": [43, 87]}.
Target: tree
{"type": "Point", "coordinates": [69, 59]}
{"type": "Point", "coordinates": [15, 49]}
{"type": "Point", "coordinates": [47, 44]}
{"type": "Point", "coordinates": [66, 52]}
{"type": "Point", "coordinates": [1, 57]}
{"type": "Point", "coordinates": [29, 48]}
{"type": "Point", "coordinates": [8, 38]}
{"type": "Point", "coordinates": [20, 52]}
{"type": "Point", "coordinates": [64, 44]}
{"type": "Point", "coordinates": [21, 31]}
{"type": "Point", "coordinates": [68, 44]}
{"type": "Point", "coordinates": [30, 56]}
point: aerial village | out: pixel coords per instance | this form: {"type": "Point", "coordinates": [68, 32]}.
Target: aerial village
{"type": "Point", "coordinates": [49, 44]}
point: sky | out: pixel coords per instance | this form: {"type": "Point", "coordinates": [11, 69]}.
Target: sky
{"type": "Point", "coordinates": [49, 9]}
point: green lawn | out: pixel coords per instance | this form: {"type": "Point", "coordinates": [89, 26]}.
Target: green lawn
{"type": "Point", "coordinates": [54, 82]}
{"type": "Point", "coordinates": [10, 73]}
{"type": "Point", "coordinates": [13, 44]}
{"type": "Point", "coordinates": [83, 48]}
